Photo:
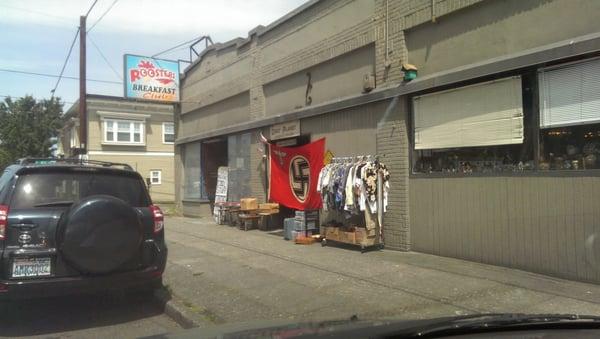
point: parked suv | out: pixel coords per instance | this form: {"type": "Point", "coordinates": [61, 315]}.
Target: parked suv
{"type": "Point", "coordinates": [77, 226]}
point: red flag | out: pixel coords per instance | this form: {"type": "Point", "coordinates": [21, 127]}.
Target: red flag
{"type": "Point", "coordinates": [294, 174]}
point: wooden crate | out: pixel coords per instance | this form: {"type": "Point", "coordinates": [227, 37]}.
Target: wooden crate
{"type": "Point", "coordinates": [358, 237]}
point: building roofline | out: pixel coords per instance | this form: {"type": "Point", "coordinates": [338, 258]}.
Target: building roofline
{"type": "Point", "coordinates": [256, 31]}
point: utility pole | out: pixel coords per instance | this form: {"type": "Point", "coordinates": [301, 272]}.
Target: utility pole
{"type": "Point", "coordinates": [82, 89]}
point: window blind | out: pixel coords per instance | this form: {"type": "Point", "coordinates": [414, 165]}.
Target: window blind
{"type": "Point", "coordinates": [570, 95]}
{"type": "Point", "coordinates": [484, 114]}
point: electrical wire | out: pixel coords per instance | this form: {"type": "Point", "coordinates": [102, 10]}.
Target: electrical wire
{"type": "Point", "coordinates": [104, 57]}
{"type": "Point", "coordinates": [172, 48]}
{"type": "Point", "coordinates": [56, 76]}
{"type": "Point", "coordinates": [65, 63]}
{"type": "Point", "coordinates": [91, 7]}
{"type": "Point", "coordinates": [102, 16]}
{"type": "Point", "coordinates": [62, 18]}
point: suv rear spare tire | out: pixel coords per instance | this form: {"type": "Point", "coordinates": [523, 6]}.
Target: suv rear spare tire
{"type": "Point", "coordinates": [99, 234]}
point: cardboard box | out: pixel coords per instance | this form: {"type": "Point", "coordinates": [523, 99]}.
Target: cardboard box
{"type": "Point", "coordinates": [332, 233]}
{"type": "Point", "coordinates": [349, 237]}
{"type": "Point", "coordinates": [360, 234]}
{"type": "Point", "coordinates": [268, 206]}
{"type": "Point", "coordinates": [268, 210]}
{"type": "Point", "coordinates": [247, 204]}
{"type": "Point", "coordinates": [299, 234]}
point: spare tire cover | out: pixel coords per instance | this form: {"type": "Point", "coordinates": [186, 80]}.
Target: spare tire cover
{"type": "Point", "coordinates": [99, 234]}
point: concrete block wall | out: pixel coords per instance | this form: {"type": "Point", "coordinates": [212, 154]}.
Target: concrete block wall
{"type": "Point", "coordinates": [257, 167]}
{"type": "Point", "coordinates": [393, 147]}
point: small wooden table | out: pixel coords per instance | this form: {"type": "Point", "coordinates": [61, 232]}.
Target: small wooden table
{"type": "Point", "coordinates": [248, 221]}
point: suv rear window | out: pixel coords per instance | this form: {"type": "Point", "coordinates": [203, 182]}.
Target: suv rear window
{"type": "Point", "coordinates": [45, 188]}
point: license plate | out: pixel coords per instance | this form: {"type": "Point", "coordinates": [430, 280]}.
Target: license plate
{"type": "Point", "coordinates": [31, 267]}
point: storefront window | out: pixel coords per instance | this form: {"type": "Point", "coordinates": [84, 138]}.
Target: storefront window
{"type": "Point", "coordinates": [482, 128]}
{"type": "Point", "coordinates": [570, 148]}
{"type": "Point", "coordinates": [570, 116]}
{"type": "Point", "coordinates": [193, 183]}
{"type": "Point", "coordinates": [493, 159]}
{"type": "Point", "coordinates": [238, 147]}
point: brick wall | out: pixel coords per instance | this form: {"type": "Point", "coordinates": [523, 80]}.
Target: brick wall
{"type": "Point", "coordinates": [393, 146]}
{"type": "Point", "coordinates": [257, 168]}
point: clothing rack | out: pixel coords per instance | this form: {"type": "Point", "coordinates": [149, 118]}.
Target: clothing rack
{"type": "Point", "coordinates": [366, 236]}
{"type": "Point", "coordinates": [357, 158]}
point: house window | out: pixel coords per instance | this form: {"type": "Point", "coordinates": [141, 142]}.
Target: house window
{"type": "Point", "coordinates": [569, 103]}
{"type": "Point", "coordinates": [155, 177]}
{"type": "Point", "coordinates": [168, 132]}
{"type": "Point", "coordinates": [123, 131]}
{"type": "Point", "coordinates": [480, 128]}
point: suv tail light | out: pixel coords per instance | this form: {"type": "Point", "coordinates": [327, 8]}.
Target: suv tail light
{"type": "Point", "coordinates": [159, 219]}
{"type": "Point", "coordinates": [3, 221]}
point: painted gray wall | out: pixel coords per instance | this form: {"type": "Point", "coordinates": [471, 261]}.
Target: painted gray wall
{"type": "Point", "coordinates": [537, 224]}
{"type": "Point", "coordinates": [223, 113]}
{"type": "Point", "coordinates": [495, 28]}
{"type": "Point", "coordinates": [337, 78]}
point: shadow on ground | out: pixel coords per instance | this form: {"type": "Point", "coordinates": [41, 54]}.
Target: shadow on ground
{"type": "Point", "coordinates": [77, 312]}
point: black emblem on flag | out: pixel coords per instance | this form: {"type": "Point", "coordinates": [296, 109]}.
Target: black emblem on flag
{"type": "Point", "coordinates": [299, 177]}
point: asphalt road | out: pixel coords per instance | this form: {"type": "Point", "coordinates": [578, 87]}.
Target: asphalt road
{"type": "Point", "coordinates": [115, 315]}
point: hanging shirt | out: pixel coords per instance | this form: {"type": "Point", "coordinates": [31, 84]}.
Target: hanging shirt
{"type": "Point", "coordinates": [362, 199]}
{"type": "Point", "coordinates": [348, 188]}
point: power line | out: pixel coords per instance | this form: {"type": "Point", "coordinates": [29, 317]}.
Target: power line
{"type": "Point", "coordinates": [172, 48]}
{"type": "Point", "coordinates": [65, 63]}
{"type": "Point", "coordinates": [56, 76]}
{"type": "Point", "coordinates": [104, 57]}
{"type": "Point", "coordinates": [102, 16]}
{"type": "Point", "coordinates": [36, 12]}
{"type": "Point", "coordinates": [91, 7]}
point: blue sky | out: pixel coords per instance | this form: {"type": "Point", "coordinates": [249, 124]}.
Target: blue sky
{"type": "Point", "coordinates": [36, 35]}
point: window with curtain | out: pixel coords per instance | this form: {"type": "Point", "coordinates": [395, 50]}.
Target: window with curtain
{"type": "Point", "coordinates": [479, 115]}
{"type": "Point", "coordinates": [569, 101]}
{"type": "Point", "coordinates": [193, 183]}
{"type": "Point", "coordinates": [476, 128]}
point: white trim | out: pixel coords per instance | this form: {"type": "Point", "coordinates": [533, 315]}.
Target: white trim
{"type": "Point", "coordinates": [163, 132]}
{"type": "Point", "coordinates": [157, 154]}
{"type": "Point", "coordinates": [115, 132]}
{"type": "Point", "coordinates": [118, 115]}
{"type": "Point", "coordinates": [159, 177]}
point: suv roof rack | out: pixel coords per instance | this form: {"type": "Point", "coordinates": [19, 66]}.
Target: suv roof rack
{"type": "Point", "coordinates": [45, 161]}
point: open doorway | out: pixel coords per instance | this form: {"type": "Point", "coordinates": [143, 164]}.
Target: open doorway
{"type": "Point", "coordinates": [214, 155]}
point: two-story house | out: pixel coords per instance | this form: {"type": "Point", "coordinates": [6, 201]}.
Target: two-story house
{"type": "Point", "coordinates": [140, 134]}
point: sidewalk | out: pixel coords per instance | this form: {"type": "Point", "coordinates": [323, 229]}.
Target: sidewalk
{"type": "Point", "coordinates": [224, 275]}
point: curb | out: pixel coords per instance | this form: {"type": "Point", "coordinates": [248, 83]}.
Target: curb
{"type": "Point", "coordinates": [175, 310]}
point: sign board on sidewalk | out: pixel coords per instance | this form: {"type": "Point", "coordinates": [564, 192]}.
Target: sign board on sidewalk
{"type": "Point", "coordinates": [285, 130]}
{"type": "Point", "coordinates": [151, 79]}
{"type": "Point", "coordinates": [222, 181]}
{"type": "Point", "coordinates": [221, 191]}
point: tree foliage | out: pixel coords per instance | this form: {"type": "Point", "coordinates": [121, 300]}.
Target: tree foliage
{"type": "Point", "coordinates": [28, 127]}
